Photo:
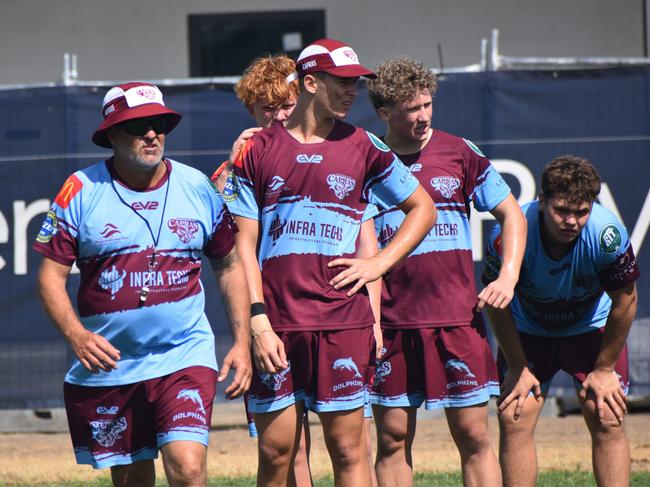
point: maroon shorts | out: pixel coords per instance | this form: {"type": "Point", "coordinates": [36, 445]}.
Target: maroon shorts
{"type": "Point", "coordinates": [576, 355]}
{"type": "Point", "coordinates": [120, 425]}
{"type": "Point", "coordinates": [328, 370]}
{"type": "Point", "coordinates": [443, 367]}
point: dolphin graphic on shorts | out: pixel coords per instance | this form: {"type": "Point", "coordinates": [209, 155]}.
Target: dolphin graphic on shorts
{"type": "Point", "coordinates": [346, 364]}
{"type": "Point", "coordinates": [194, 396]}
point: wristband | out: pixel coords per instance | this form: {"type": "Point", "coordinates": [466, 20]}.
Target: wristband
{"type": "Point", "coordinates": [219, 170]}
{"type": "Point", "coordinates": [260, 325]}
{"type": "Point", "coordinates": [258, 309]}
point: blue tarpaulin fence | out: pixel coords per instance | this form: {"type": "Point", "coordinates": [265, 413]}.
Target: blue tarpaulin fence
{"type": "Point", "coordinates": [520, 119]}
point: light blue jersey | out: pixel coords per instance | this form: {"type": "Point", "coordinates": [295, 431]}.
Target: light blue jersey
{"type": "Point", "coordinates": [567, 296]}
{"type": "Point", "coordinates": [101, 224]}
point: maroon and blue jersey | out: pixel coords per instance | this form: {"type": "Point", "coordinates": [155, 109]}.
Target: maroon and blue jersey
{"type": "Point", "coordinates": [98, 222]}
{"type": "Point", "coordinates": [435, 285]}
{"type": "Point", "coordinates": [310, 201]}
{"type": "Point", "coordinates": [568, 296]}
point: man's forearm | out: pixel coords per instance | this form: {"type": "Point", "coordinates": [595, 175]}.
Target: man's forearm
{"type": "Point", "coordinates": [507, 335]}
{"type": "Point", "coordinates": [420, 217]}
{"type": "Point", "coordinates": [617, 328]}
{"type": "Point", "coordinates": [234, 295]}
{"type": "Point", "coordinates": [513, 237]}
{"type": "Point", "coordinates": [55, 299]}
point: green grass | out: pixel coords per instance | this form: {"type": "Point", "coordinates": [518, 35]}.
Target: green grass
{"type": "Point", "coordinates": [553, 478]}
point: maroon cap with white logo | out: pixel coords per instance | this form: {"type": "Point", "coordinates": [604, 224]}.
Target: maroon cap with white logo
{"type": "Point", "coordinates": [333, 57]}
{"type": "Point", "coordinates": [129, 101]}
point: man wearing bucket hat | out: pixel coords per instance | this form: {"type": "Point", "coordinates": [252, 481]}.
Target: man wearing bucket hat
{"type": "Point", "coordinates": [136, 225]}
{"type": "Point", "coordinates": [300, 192]}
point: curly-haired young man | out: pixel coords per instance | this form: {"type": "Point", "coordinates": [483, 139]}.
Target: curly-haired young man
{"type": "Point", "coordinates": [573, 306]}
{"type": "Point", "coordinates": [436, 350]}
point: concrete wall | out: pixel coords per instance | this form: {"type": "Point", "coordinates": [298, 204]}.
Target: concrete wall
{"type": "Point", "coordinates": [147, 39]}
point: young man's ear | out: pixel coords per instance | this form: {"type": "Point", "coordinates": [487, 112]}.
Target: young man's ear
{"type": "Point", "coordinates": [383, 114]}
{"type": "Point", "coordinates": [310, 83]}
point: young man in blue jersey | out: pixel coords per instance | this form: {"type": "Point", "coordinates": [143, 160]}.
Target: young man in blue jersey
{"type": "Point", "coordinates": [573, 306]}
{"type": "Point", "coordinates": [300, 195]}
{"type": "Point", "coordinates": [136, 225]}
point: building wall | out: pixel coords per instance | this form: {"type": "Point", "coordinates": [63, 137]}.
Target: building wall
{"type": "Point", "coordinates": [146, 39]}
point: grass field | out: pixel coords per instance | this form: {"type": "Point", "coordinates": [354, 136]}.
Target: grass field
{"type": "Point", "coordinates": [563, 447]}
{"type": "Point", "coordinates": [553, 478]}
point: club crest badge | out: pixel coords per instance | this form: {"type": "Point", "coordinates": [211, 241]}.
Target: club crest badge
{"type": "Point", "coordinates": [445, 185]}
{"type": "Point", "coordinates": [341, 185]}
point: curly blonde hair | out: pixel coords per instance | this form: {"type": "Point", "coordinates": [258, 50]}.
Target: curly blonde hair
{"type": "Point", "coordinates": [400, 79]}
{"type": "Point", "coordinates": [266, 79]}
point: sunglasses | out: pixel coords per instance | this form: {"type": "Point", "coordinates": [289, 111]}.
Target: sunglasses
{"type": "Point", "coordinates": [140, 126]}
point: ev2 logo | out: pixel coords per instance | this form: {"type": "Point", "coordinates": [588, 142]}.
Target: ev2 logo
{"type": "Point", "coordinates": [312, 159]}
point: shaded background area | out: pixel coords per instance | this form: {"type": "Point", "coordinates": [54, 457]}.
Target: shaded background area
{"type": "Point", "coordinates": [520, 119]}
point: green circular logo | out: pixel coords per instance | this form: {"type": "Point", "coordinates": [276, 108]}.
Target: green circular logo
{"type": "Point", "coordinates": [472, 146]}
{"type": "Point", "coordinates": [377, 142]}
{"type": "Point", "coordinates": [610, 239]}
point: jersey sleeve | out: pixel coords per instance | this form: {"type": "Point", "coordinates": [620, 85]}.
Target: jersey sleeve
{"type": "Point", "coordinates": [492, 259]}
{"type": "Point", "coordinates": [618, 265]}
{"type": "Point", "coordinates": [223, 227]}
{"type": "Point", "coordinates": [484, 186]}
{"type": "Point", "coordinates": [389, 179]}
{"type": "Point", "coordinates": [58, 236]}
{"type": "Point", "coordinates": [239, 191]}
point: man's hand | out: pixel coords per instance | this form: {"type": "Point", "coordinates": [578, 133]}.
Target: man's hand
{"type": "Point", "coordinates": [239, 144]}
{"type": "Point", "coordinates": [604, 387]}
{"type": "Point", "coordinates": [93, 351]}
{"type": "Point", "coordinates": [239, 359]}
{"type": "Point", "coordinates": [497, 294]}
{"type": "Point", "coordinates": [360, 270]}
{"type": "Point", "coordinates": [268, 349]}
{"type": "Point", "coordinates": [515, 388]}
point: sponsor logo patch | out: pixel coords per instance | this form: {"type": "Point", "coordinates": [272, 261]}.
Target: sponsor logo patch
{"type": "Point", "coordinates": [309, 159]}
{"type": "Point", "coordinates": [276, 183]}
{"type": "Point", "coordinates": [377, 142]}
{"type": "Point", "coordinates": [445, 185]}
{"type": "Point", "coordinates": [610, 239]}
{"type": "Point", "coordinates": [144, 205]}
{"type": "Point", "coordinates": [341, 185]}
{"type": "Point", "coordinates": [184, 228]}
{"type": "Point", "coordinates": [110, 230]}
{"type": "Point", "coordinates": [48, 228]}
{"type": "Point", "coordinates": [231, 188]}
{"type": "Point", "coordinates": [415, 167]}
{"type": "Point", "coordinates": [107, 410]}
{"type": "Point", "coordinates": [277, 228]}
{"type": "Point", "coordinates": [112, 280]}
{"type": "Point", "coordinates": [68, 191]}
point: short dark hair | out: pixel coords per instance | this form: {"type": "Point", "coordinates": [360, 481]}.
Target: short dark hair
{"type": "Point", "coordinates": [572, 179]}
